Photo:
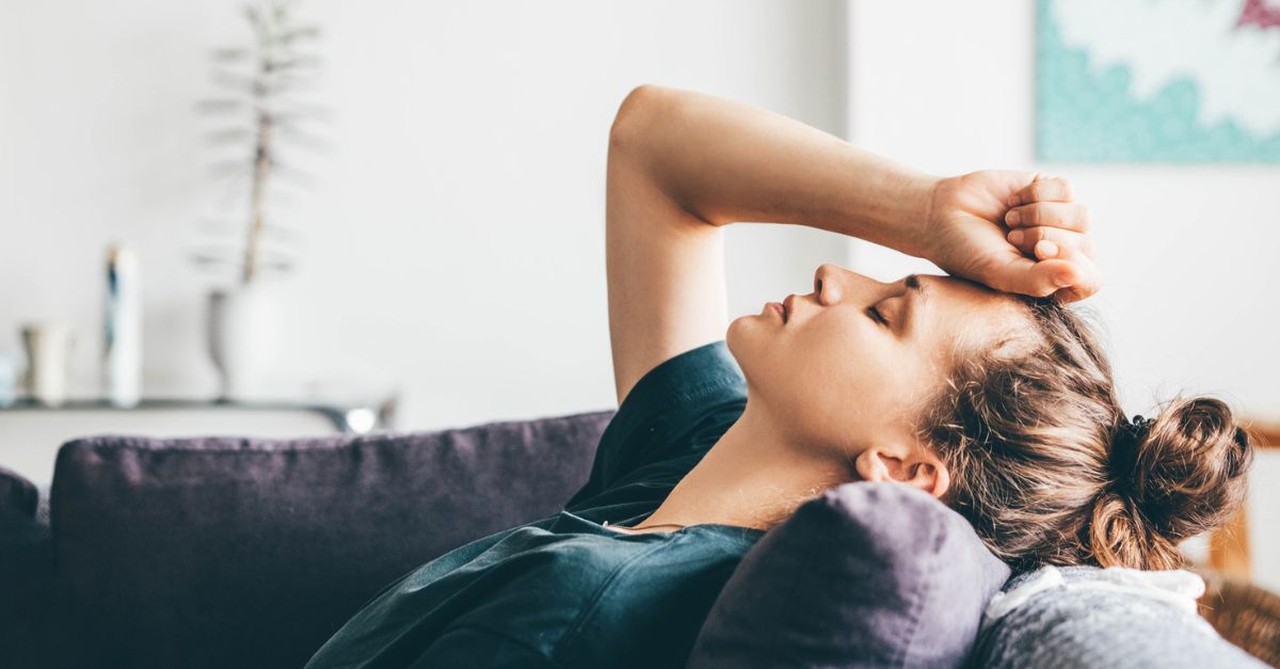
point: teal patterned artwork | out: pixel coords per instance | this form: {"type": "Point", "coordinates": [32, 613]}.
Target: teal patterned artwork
{"type": "Point", "coordinates": [1158, 81]}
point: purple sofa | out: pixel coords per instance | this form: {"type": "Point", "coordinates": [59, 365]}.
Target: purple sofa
{"type": "Point", "coordinates": [229, 552]}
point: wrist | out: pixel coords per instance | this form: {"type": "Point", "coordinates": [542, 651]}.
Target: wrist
{"type": "Point", "coordinates": [915, 219]}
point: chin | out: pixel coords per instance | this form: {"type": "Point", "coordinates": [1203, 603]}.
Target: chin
{"type": "Point", "coordinates": [741, 336]}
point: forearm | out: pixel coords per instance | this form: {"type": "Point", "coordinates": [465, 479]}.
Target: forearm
{"type": "Point", "coordinates": [726, 161]}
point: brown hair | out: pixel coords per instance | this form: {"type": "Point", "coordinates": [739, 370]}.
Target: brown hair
{"type": "Point", "coordinates": [1027, 429]}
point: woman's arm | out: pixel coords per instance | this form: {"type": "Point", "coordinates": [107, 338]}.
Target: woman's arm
{"type": "Point", "coordinates": [665, 266]}
{"type": "Point", "coordinates": [725, 161]}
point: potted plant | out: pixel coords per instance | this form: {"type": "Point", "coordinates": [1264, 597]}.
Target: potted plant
{"type": "Point", "coordinates": [259, 114]}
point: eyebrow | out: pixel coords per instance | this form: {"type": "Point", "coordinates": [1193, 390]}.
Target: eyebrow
{"type": "Point", "coordinates": [918, 290]}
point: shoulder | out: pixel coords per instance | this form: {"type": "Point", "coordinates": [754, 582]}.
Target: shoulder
{"type": "Point", "coordinates": [695, 371]}
{"type": "Point", "coordinates": [671, 417]}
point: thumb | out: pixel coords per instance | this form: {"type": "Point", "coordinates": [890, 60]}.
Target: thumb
{"type": "Point", "coordinates": [1031, 277]}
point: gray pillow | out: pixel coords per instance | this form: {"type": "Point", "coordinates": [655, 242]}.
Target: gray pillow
{"type": "Point", "coordinates": [865, 575]}
{"type": "Point", "coordinates": [1086, 621]}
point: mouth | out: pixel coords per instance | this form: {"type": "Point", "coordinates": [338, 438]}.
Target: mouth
{"type": "Point", "coordinates": [777, 307]}
{"type": "Point", "coordinates": [787, 308]}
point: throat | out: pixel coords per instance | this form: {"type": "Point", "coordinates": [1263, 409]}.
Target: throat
{"type": "Point", "coordinates": [747, 480]}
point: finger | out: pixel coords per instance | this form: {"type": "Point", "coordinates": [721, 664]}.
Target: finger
{"type": "Point", "coordinates": [1042, 242]}
{"type": "Point", "coordinates": [1082, 288]}
{"type": "Point", "coordinates": [1066, 215]}
{"type": "Point", "coordinates": [1043, 189]}
{"type": "Point", "coordinates": [1073, 276]}
{"type": "Point", "coordinates": [1083, 278]}
{"type": "Point", "coordinates": [1032, 277]}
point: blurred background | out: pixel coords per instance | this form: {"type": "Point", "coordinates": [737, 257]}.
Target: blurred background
{"type": "Point", "coordinates": [441, 209]}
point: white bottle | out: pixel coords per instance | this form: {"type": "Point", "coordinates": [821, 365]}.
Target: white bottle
{"type": "Point", "coordinates": [122, 344]}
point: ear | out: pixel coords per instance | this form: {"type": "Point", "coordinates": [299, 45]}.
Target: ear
{"type": "Point", "coordinates": [913, 466]}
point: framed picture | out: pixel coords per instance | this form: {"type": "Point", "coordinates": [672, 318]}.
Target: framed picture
{"type": "Point", "coordinates": [1158, 81]}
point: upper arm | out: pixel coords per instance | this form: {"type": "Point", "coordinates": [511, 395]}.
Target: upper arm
{"type": "Point", "coordinates": [665, 266]}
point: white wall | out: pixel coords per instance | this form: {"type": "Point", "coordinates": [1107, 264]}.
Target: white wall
{"type": "Point", "coordinates": [1189, 254]}
{"type": "Point", "coordinates": [453, 246]}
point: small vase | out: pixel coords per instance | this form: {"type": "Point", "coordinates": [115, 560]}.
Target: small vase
{"type": "Point", "coordinates": [242, 339]}
{"type": "Point", "coordinates": [48, 354]}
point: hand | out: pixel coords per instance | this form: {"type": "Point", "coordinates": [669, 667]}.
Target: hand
{"type": "Point", "coordinates": [1014, 231]}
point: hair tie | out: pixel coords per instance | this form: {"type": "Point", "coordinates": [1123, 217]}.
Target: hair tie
{"type": "Point", "coordinates": [1124, 447]}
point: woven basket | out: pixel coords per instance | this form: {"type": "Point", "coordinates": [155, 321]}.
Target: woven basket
{"type": "Point", "coordinates": [1245, 614]}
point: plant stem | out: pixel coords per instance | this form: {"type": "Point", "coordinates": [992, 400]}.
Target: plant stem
{"type": "Point", "coordinates": [261, 170]}
{"type": "Point", "coordinates": [262, 152]}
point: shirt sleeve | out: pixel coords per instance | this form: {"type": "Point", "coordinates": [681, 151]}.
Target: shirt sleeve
{"type": "Point", "coordinates": [672, 416]}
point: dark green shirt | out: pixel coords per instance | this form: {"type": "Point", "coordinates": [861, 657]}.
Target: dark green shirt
{"type": "Point", "coordinates": [565, 591]}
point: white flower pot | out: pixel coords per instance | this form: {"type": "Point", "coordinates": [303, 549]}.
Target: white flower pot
{"type": "Point", "coordinates": [243, 334]}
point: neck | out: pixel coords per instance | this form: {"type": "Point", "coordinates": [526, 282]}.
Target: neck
{"type": "Point", "coordinates": [752, 477]}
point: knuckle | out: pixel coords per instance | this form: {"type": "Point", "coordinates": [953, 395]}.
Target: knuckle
{"type": "Point", "coordinates": [1089, 246]}
{"type": "Point", "coordinates": [1065, 185]}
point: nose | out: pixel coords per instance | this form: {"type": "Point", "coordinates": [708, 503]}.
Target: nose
{"type": "Point", "coordinates": [831, 283]}
{"type": "Point", "coordinates": [827, 283]}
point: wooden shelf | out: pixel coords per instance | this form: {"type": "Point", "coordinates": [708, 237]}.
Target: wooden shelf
{"type": "Point", "coordinates": [1229, 545]}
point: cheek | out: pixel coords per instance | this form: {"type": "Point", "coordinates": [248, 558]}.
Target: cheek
{"type": "Point", "coordinates": [834, 384]}
{"type": "Point", "coordinates": [844, 348]}
{"type": "Point", "coordinates": [835, 361]}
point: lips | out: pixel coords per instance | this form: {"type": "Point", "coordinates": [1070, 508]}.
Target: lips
{"type": "Point", "coordinates": [788, 307]}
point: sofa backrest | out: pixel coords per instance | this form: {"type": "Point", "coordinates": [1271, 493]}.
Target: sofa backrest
{"type": "Point", "coordinates": [225, 552]}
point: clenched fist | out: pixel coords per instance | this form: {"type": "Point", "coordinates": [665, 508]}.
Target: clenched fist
{"type": "Point", "coordinates": [1013, 231]}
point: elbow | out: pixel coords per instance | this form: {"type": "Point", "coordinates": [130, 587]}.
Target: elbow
{"type": "Point", "coordinates": [629, 120]}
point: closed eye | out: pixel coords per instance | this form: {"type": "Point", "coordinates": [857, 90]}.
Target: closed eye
{"type": "Point", "coordinates": [876, 315]}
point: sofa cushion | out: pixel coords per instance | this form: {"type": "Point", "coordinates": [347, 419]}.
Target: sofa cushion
{"type": "Point", "coordinates": [229, 552]}
{"type": "Point", "coordinates": [868, 574]}
{"type": "Point", "coordinates": [18, 496]}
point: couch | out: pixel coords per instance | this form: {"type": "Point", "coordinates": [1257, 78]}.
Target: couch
{"type": "Point", "coordinates": [234, 552]}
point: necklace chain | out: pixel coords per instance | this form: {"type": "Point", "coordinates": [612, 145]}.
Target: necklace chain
{"type": "Point", "coordinates": [606, 524]}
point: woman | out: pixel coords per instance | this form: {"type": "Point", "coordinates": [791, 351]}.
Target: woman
{"type": "Point", "coordinates": [982, 388]}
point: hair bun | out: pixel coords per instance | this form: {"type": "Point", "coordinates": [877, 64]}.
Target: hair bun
{"type": "Point", "coordinates": [1175, 475]}
{"type": "Point", "coordinates": [1188, 467]}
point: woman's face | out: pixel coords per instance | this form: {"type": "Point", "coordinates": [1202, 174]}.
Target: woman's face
{"type": "Point", "coordinates": [836, 379]}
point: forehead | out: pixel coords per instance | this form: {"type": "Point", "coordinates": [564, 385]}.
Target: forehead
{"type": "Point", "coordinates": [966, 312]}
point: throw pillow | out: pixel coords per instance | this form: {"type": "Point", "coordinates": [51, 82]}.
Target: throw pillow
{"type": "Point", "coordinates": [868, 574]}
